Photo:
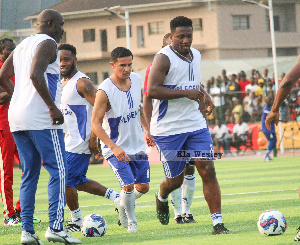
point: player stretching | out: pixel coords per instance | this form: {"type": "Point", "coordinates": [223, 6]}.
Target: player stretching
{"type": "Point", "coordinates": [177, 123]}
{"type": "Point", "coordinates": [78, 97]}
{"type": "Point", "coordinates": [181, 205]}
{"type": "Point", "coordinates": [117, 122]}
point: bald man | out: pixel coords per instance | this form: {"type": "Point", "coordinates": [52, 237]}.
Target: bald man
{"type": "Point", "coordinates": [35, 121]}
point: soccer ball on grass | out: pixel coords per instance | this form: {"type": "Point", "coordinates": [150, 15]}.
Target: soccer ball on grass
{"type": "Point", "coordinates": [93, 225]}
{"type": "Point", "coordinates": [271, 223]}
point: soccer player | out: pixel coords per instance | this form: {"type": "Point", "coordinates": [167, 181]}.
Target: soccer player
{"type": "Point", "coordinates": [270, 134]}
{"type": "Point", "coordinates": [117, 123]}
{"type": "Point", "coordinates": [284, 89]}
{"type": "Point", "coordinates": [177, 124]}
{"type": "Point", "coordinates": [35, 121]}
{"type": "Point", "coordinates": [77, 100]}
{"type": "Point", "coordinates": [181, 205]}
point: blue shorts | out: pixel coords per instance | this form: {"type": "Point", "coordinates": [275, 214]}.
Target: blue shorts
{"type": "Point", "coordinates": [270, 136]}
{"type": "Point", "coordinates": [176, 150]}
{"type": "Point", "coordinates": [77, 168]}
{"type": "Point", "coordinates": [134, 172]}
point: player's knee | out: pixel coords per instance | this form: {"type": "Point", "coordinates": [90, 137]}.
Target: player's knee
{"type": "Point", "coordinates": [207, 170]}
{"type": "Point", "coordinates": [189, 170]}
{"type": "Point", "coordinates": [128, 188]}
{"type": "Point", "coordinates": [143, 188]}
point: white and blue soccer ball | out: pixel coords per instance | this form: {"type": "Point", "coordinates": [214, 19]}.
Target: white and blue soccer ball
{"type": "Point", "coordinates": [93, 225]}
{"type": "Point", "coordinates": [271, 223]}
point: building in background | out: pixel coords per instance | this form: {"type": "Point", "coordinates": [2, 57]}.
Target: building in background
{"type": "Point", "coordinates": [13, 13]}
{"type": "Point", "coordinates": [223, 29]}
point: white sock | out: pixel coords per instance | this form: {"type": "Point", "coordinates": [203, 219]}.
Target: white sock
{"type": "Point", "coordinates": [160, 198]}
{"type": "Point", "coordinates": [188, 190]}
{"type": "Point", "coordinates": [128, 200]}
{"type": "Point", "coordinates": [111, 194]}
{"type": "Point", "coordinates": [216, 218]}
{"type": "Point", "coordinates": [137, 193]}
{"type": "Point", "coordinates": [175, 197]}
{"type": "Point", "coordinates": [76, 216]}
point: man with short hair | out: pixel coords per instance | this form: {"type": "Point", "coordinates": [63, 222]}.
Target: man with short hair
{"type": "Point", "coordinates": [177, 124]}
{"type": "Point", "coordinates": [77, 100]}
{"type": "Point", "coordinates": [116, 120]}
{"type": "Point", "coordinates": [35, 121]}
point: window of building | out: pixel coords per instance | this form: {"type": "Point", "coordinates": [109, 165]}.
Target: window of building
{"type": "Point", "coordinates": [93, 77]}
{"type": "Point", "coordinates": [276, 23]}
{"type": "Point", "coordinates": [64, 38]}
{"type": "Point", "coordinates": [121, 31]}
{"type": "Point", "coordinates": [197, 24]}
{"type": "Point", "coordinates": [240, 22]}
{"type": "Point", "coordinates": [156, 28]}
{"type": "Point", "coordinates": [103, 38]}
{"type": "Point", "coordinates": [105, 75]}
{"type": "Point", "coordinates": [283, 52]}
{"type": "Point", "coordinates": [140, 37]}
{"type": "Point", "coordinates": [89, 35]}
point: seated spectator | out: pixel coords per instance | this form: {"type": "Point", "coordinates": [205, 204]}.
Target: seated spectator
{"type": "Point", "coordinates": [237, 110]}
{"type": "Point", "coordinates": [219, 101]}
{"type": "Point", "coordinates": [221, 137]}
{"type": "Point", "coordinates": [240, 132]}
{"type": "Point", "coordinates": [252, 86]}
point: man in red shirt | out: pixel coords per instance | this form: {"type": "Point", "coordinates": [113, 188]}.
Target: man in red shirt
{"type": "Point", "coordinates": [243, 83]}
{"type": "Point", "coordinates": [8, 147]}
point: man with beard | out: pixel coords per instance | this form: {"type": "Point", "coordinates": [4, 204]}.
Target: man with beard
{"type": "Point", "coordinates": [177, 124]}
{"type": "Point", "coordinates": [35, 121]}
{"type": "Point", "coordinates": [77, 101]}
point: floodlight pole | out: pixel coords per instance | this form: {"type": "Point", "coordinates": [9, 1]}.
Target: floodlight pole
{"type": "Point", "coordinates": [272, 31]}
{"type": "Point", "coordinates": [117, 11]}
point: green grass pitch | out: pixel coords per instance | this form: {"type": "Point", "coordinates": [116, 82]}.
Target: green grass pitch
{"type": "Point", "coordinates": [248, 186]}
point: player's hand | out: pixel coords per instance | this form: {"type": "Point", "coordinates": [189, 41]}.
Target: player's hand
{"type": "Point", "coordinates": [209, 105]}
{"type": "Point", "coordinates": [120, 154]}
{"type": "Point", "coordinates": [56, 116]}
{"type": "Point", "coordinates": [195, 94]}
{"type": "Point", "coordinates": [93, 146]}
{"type": "Point", "coordinates": [149, 139]}
{"type": "Point", "coordinates": [272, 116]}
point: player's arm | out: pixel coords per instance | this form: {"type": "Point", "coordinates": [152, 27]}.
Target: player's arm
{"type": "Point", "coordinates": [100, 107]}
{"type": "Point", "coordinates": [87, 90]}
{"type": "Point", "coordinates": [45, 55]}
{"type": "Point", "coordinates": [6, 72]}
{"type": "Point", "coordinates": [156, 90]}
{"type": "Point", "coordinates": [146, 127]}
{"type": "Point", "coordinates": [4, 96]}
{"type": "Point", "coordinates": [284, 89]}
{"type": "Point", "coordinates": [209, 105]}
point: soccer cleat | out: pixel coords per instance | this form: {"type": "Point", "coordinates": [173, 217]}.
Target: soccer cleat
{"type": "Point", "coordinates": [28, 238]}
{"type": "Point", "coordinates": [220, 229]}
{"type": "Point", "coordinates": [35, 220]}
{"type": "Point", "coordinates": [179, 220]}
{"type": "Point", "coordinates": [132, 227]}
{"type": "Point", "coordinates": [267, 159]}
{"type": "Point", "coordinates": [162, 211]}
{"type": "Point", "coordinates": [189, 218]}
{"type": "Point", "coordinates": [72, 226]}
{"type": "Point", "coordinates": [60, 236]}
{"type": "Point", "coordinates": [123, 220]}
{"type": "Point", "coordinates": [12, 221]}
{"type": "Point", "coordinates": [297, 237]}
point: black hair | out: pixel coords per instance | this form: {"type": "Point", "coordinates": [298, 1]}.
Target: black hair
{"type": "Point", "coordinates": [68, 47]}
{"type": "Point", "coordinates": [3, 43]}
{"type": "Point", "coordinates": [120, 52]}
{"type": "Point", "coordinates": [180, 21]}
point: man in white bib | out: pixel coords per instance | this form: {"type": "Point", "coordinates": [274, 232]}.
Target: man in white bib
{"type": "Point", "coordinates": [177, 124]}
{"type": "Point", "coordinates": [35, 121]}
{"type": "Point", "coordinates": [117, 119]}
{"type": "Point", "coordinates": [77, 100]}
